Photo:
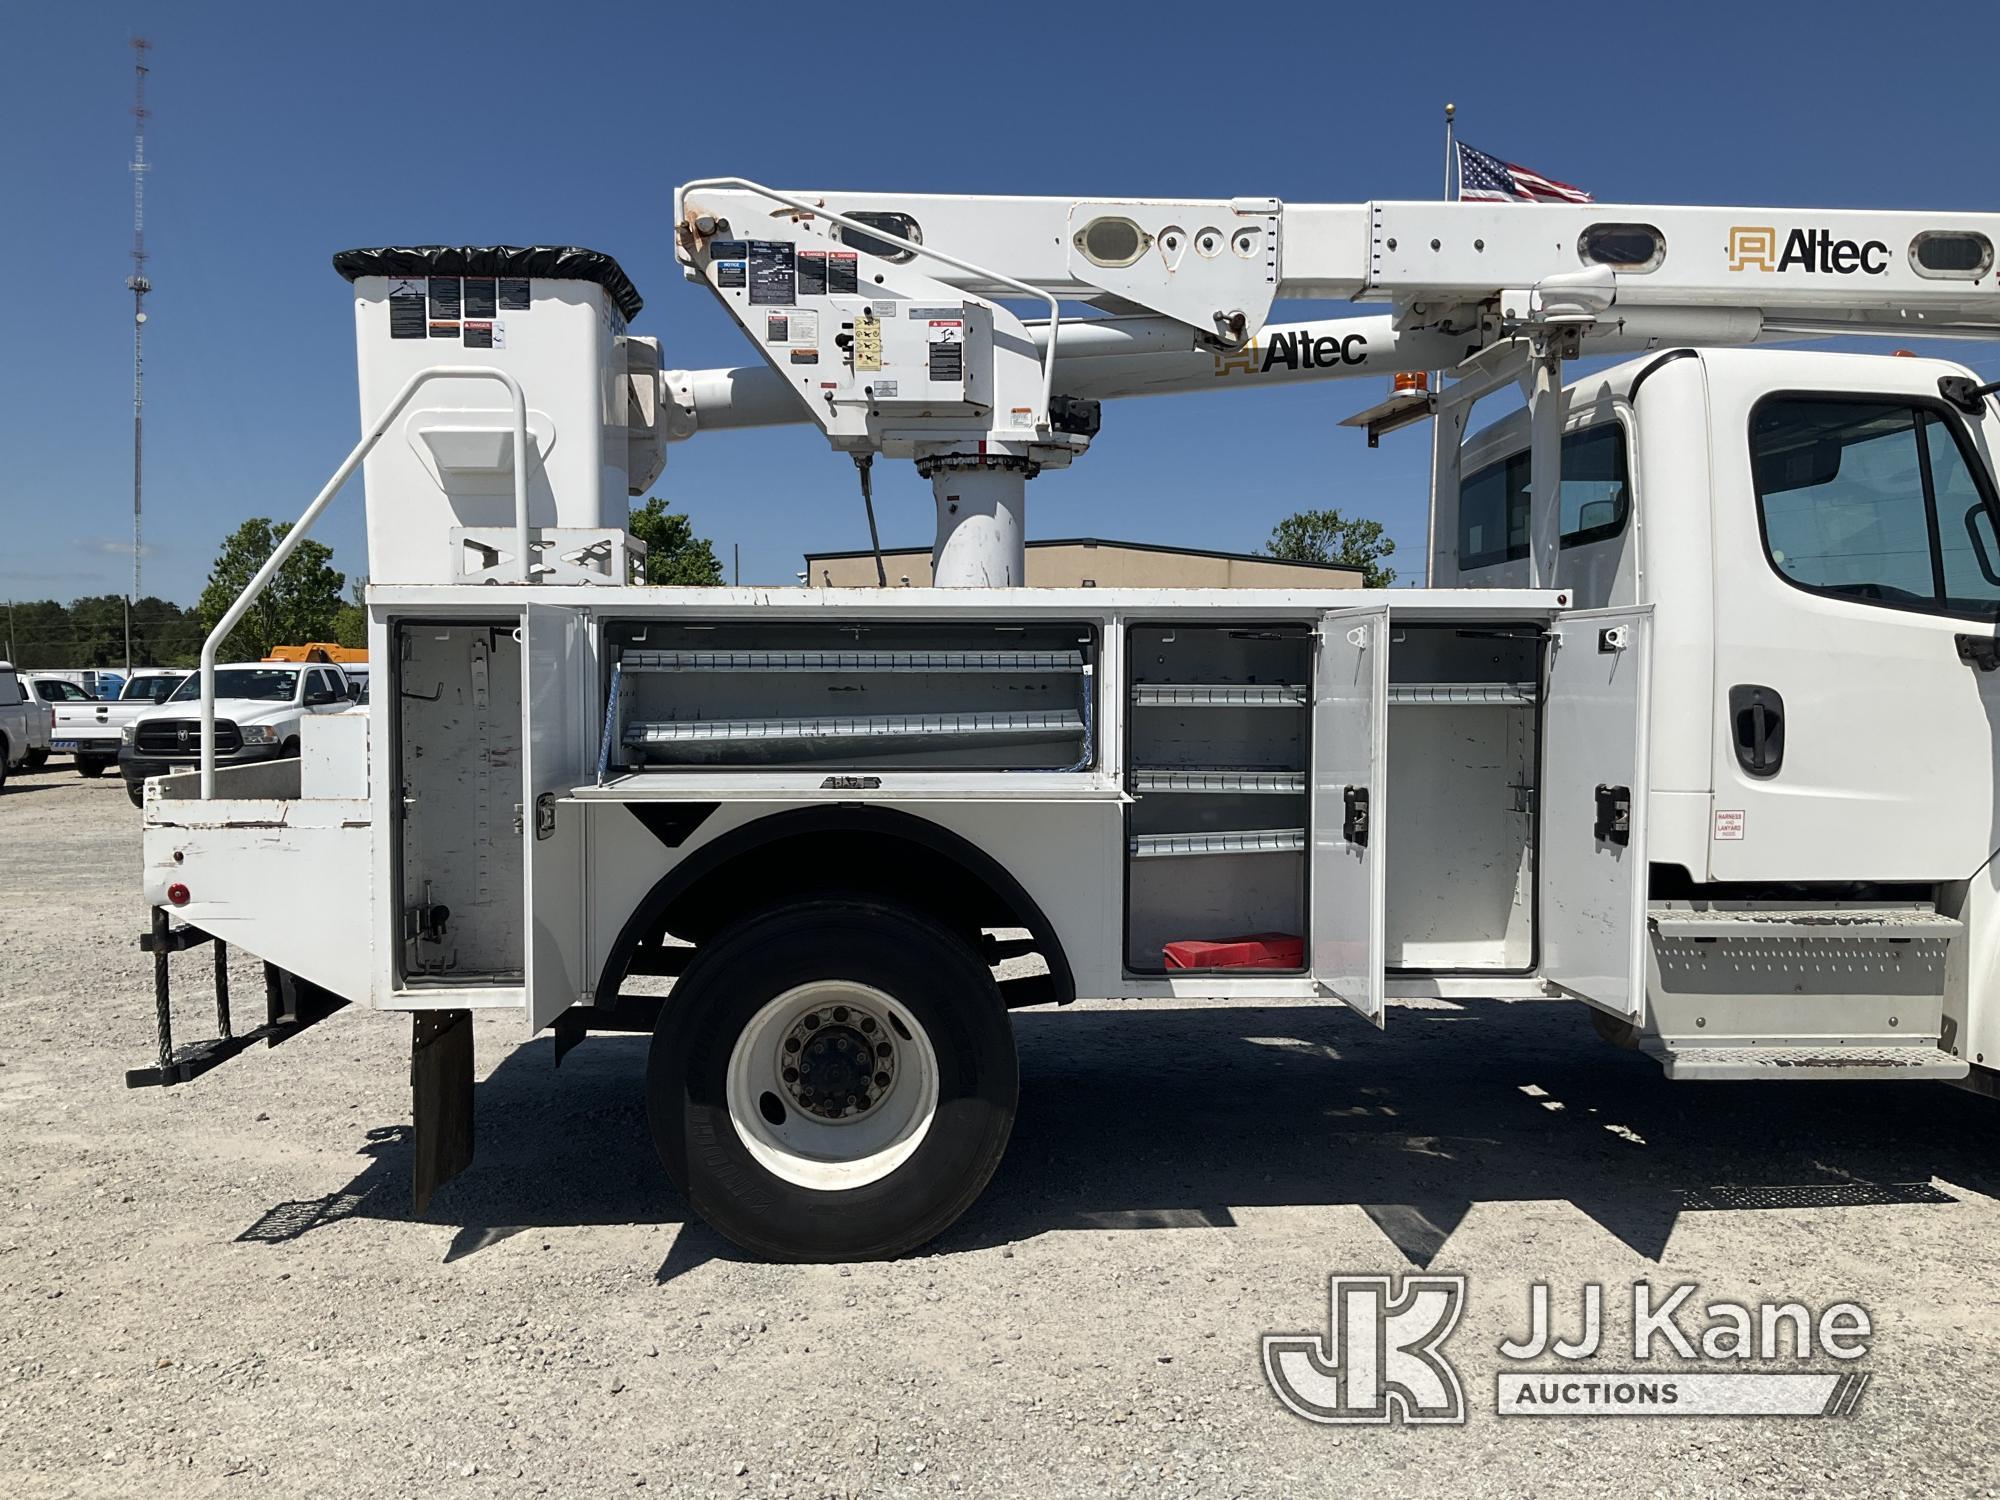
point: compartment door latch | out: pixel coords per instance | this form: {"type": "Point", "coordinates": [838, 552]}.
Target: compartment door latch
{"type": "Point", "coordinates": [1354, 827]}
{"type": "Point", "coordinates": [1614, 815]}
{"type": "Point", "coordinates": [545, 816]}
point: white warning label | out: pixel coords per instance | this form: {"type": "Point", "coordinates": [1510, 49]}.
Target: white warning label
{"type": "Point", "coordinates": [1728, 824]}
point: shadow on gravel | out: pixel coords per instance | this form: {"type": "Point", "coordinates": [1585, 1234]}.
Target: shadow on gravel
{"type": "Point", "coordinates": [1182, 1118]}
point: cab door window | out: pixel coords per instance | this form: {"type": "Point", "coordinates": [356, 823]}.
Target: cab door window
{"type": "Point", "coordinates": [1879, 501]}
{"type": "Point", "coordinates": [1494, 503]}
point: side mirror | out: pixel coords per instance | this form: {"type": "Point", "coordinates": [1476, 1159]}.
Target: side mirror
{"type": "Point", "coordinates": [353, 691]}
{"type": "Point", "coordinates": [318, 697]}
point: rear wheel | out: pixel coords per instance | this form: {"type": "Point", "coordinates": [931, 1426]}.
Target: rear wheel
{"type": "Point", "coordinates": [90, 766]}
{"type": "Point", "coordinates": [37, 759]}
{"type": "Point", "coordinates": [833, 1080]}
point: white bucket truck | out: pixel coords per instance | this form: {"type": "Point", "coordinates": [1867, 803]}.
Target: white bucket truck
{"type": "Point", "coordinates": [1699, 737]}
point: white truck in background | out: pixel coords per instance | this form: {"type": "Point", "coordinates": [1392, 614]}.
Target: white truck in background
{"type": "Point", "coordinates": [261, 706]}
{"type": "Point", "coordinates": [1697, 733]}
{"type": "Point", "coordinates": [87, 729]}
{"type": "Point", "coordinates": [27, 727]}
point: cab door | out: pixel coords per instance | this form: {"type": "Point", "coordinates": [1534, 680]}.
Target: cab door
{"type": "Point", "coordinates": [1595, 730]}
{"type": "Point", "coordinates": [1857, 589]}
{"type": "Point", "coordinates": [1350, 734]}
{"type": "Point", "coordinates": [559, 687]}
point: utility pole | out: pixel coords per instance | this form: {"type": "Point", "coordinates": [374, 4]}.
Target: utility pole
{"type": "Point", "coordinates": [138, 284]}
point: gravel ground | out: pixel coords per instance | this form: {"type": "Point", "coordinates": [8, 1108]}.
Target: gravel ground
{"type": "Point", "coordinates": [220, 1289]}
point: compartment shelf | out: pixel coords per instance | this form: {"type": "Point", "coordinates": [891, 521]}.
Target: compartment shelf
{"type": "Point", "coordinates": [1219, 779]}
{"type": "Point", "coordinates": [1502, 694]}
{"type": "Point", "coordinates": [1218, 695]}
{"type": "Point", "coordinates": [984, 727]}
{"type": "Point", "coordinates": [1022, 662]}
{"type": "Point", "coordinates": [1241, 841]}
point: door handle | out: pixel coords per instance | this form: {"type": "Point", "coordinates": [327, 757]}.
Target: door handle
{"type": "Point", "coordinates": [1757, 723]}
{"type": "Point", "coordinates": [1978, 651]}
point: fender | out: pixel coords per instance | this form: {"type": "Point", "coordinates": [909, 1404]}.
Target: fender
{"type": "Point", "coordinates": [876, 823]}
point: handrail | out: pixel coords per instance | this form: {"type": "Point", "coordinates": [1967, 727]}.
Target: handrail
{"type": "Point", "coordinates": [1026, 289]}
{"type": "Point", "coordinates": [297, 534]}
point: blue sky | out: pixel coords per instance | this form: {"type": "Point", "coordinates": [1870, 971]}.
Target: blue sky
{"type": "Point", "coordinates": [282, 133]}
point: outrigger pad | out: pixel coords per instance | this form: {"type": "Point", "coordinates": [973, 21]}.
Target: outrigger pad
{"type": "Point", "coordinates": [440, 1101]}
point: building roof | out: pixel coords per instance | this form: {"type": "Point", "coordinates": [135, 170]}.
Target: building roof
{"type": "Point", "coordinates": [1092, 541]}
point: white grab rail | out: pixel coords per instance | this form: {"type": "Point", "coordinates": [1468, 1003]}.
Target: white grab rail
{"type": "Point", "coordinates": [1026, 289]}
{"type": "Point", "coordinates": [297, 534]}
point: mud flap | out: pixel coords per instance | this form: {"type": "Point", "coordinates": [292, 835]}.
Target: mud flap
{"type": "Point", "coordinates": [440, 1101]}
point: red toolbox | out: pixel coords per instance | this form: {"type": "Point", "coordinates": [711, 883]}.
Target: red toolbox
{"type": "Point", "coordinates": [1260, 950]}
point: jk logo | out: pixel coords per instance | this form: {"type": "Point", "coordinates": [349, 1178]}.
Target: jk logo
{"type": "Point", "coordinates": [1381, 1361]}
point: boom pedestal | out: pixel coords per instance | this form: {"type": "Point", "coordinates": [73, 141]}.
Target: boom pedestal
{"type": "Point", "coordinates": [981, 522]}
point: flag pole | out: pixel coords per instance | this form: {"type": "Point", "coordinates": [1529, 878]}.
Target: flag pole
{"type": "Point", "coordinates": [1438, 424]}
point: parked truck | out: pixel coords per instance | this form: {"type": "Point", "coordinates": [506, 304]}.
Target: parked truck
{"type": "Point", "coordinates": [1693, 727]}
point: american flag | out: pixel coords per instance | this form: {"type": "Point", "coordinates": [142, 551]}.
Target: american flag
{"type": "Point", "coordinates": [1488, 179]}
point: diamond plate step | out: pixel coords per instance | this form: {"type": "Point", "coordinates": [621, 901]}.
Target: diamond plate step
{"type": "Point", "coordinates": [1827, 1061]}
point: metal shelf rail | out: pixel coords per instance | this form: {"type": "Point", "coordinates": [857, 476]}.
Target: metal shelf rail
{"type": "Point", "coordinates": [1218, 695]}
{"type": "Point", "coordinates": [1024, 663]}
{"type": "Point", "coordinates": [1217, 779]}
{"type": "Point", "coordinates": [1029, 724]}
{"type": "Point", "coordinates": [1241, 841]}
{"type": "Point", "coordinates": [1458, 694]}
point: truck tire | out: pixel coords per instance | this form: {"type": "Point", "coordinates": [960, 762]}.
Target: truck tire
{"type": "Point", "coordinates": [3, 764]}
{"type": "Point", "coordinates": [911, 1107]}
{"type": "Point", "coordinates": [136, 790]}
{"type": "Point", "coordinates": [90, 766]}
{"type": "Point", "coordinates": [37, 759]}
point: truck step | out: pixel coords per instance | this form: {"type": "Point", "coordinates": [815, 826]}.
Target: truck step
{"type": "Point", "coordinates": [1852, 923]}
{"type": "Point", "coordinates": [1821, 1062]}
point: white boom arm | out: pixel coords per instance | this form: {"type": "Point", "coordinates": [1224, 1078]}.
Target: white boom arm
{"type": "Point", "coordinates": [880, 315]}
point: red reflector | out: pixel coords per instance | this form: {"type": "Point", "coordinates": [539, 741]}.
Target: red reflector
{"type": "Point", "coordinates": [1260, 950]}
{"type": "Point", "coordinates": [177, 894]}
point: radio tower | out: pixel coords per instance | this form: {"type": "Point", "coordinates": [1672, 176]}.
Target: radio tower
{"type": "Point", "coordinates": [139, 286]}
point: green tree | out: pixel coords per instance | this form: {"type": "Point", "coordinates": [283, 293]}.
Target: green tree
{"type": "Point", "coordinates": [1326, 536]}
{"type": "Point", "coordinates": [674, 554]}
{"type": "Point", "coordinates": [350, 626]}
{"type": "Point", "coordinates": [302, 603]}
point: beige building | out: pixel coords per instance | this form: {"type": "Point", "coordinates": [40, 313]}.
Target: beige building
{"type": "Point", "coordinates": [1086, 562]}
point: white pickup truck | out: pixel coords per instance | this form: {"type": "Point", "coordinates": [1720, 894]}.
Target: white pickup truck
{"type": "Point", "coordinates": [26, 726]}
{"type": "Point", "coordinates": [258, 707]}
{"type": "Point", "coordinates": [88, 728]}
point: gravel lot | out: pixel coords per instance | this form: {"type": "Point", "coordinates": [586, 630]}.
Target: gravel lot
{"type": "Point", "coordinates": [220, 1290]}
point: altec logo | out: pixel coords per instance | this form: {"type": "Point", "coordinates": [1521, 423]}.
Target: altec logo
{"type": "Point", "coordinates": [1300, 350]}
{"type": "Point", "coordinates": [1754, 247]}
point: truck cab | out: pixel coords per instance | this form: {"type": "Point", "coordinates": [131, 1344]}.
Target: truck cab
{"type": "Point", "coordinates": [1816, 536]}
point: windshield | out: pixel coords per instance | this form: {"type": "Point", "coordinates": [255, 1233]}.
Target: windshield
{"type": "Point", "coordinates": [152, 689]}
{"type": "Point", "coordinates": [265, 684]}
{"type": "Point", "coordinates": [58, 691]}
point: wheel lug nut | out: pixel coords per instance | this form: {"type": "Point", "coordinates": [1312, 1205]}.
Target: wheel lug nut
{"type": "Point", "coordinates": [840, 1013]}
{"type": "Point", "coordinates": [867, 1023]}
{"type": "Point", "coordinates": [812, 1023]}
{"type": "Point", "coordinates": [882, 1049]}
{"type": "Point", "coordinates": [881, 1080]}
{"type": "Point", "coordinates": [791, 1075]}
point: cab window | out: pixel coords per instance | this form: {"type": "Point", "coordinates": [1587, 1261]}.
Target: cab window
{"type": "Point", "coordinates": [55, 690]}
{"type": "Point", "coordinates": [1494, 501]}
{"type": "Point", "coordinates": [1875, 500]}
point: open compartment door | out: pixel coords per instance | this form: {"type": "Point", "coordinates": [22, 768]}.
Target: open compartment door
{"type": "Point", "coordinates": [1350, 738]}
{"type": "Point", "coordinates": [557, 686]}
{"type": "Point", "coordinates": [1593, 796]}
